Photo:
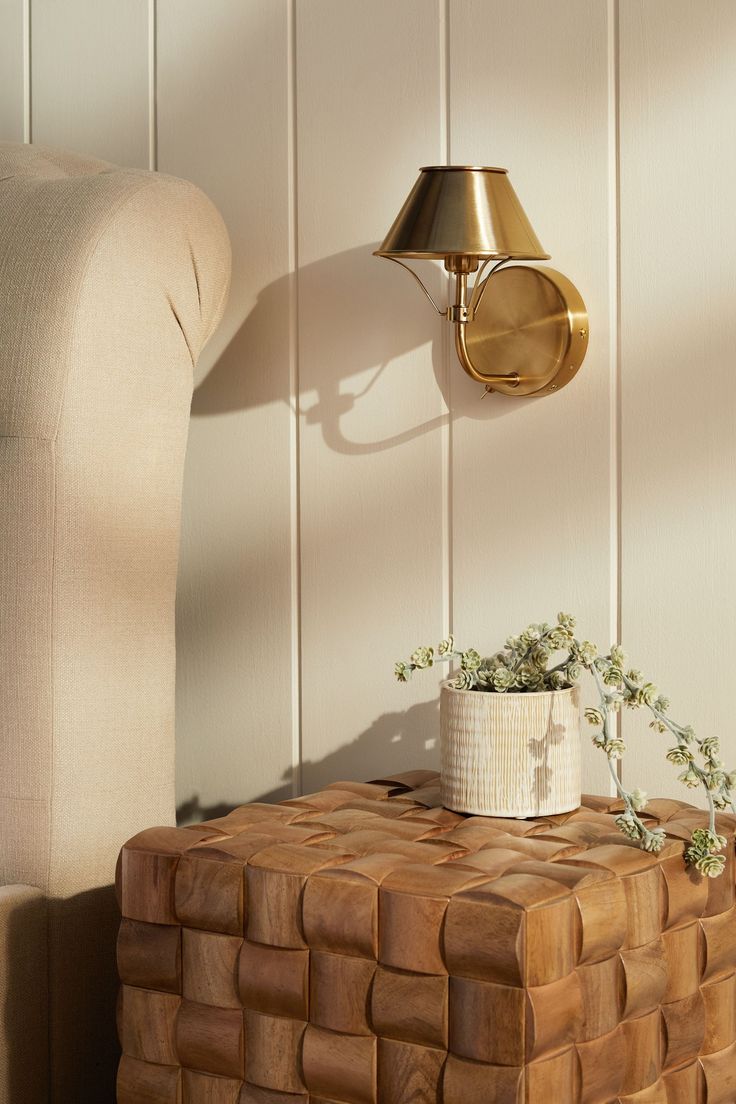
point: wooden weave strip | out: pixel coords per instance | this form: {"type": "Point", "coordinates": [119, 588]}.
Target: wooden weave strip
{"type": "Point", "coordinates": [363, 945]}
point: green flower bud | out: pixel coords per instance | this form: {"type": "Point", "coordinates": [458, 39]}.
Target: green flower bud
{"type": "Point", "coordinates": [662, 704]}
{"type": "Point", "coordinates": [566, 620]}
{"type": "Point", "coordinates": [502, 679]}
{"type": "Point", "coordinates": [689, 778]}
{"type": "Point", "coordinates": [530, 637]}
{"type": "Point", "coordinates": [654, 839]}
{"type": "Point", "coordinates": [648, 693]}
{"type": "Point", "coordinates": [470, 660]}
{"type": "Point", "coordinates": [403, 671]}
{"type": "Point", "coordinates": [594, 716]}
{"type": "Point", "coordinates": [679, 756]}
{"type": "Point", "coordinates": [530, 677]}
{"type": "Point", "coordinates": [463, 681]}
{"type": "Point", "coordinates": [615, 748]}
{"type": "Point", "coordinates": [638, 799]}
{"type": "Point", "coordinates": [559, 638]}
{"type": "Point", "coordinates": [714, 779]}
{"type": "Point", "coordinates": [446, 646]}
{"type": "Point", "coordinates": [710, 747]}
{"type": "Point", "coordinates": [634, 676]}
{"type": "Point", "coordinates": [587, 653]}
{"type": "Point", "coordinates": [423, 657]}
{"type": "Point", "coordinates": [705, 840]}
{"type": "Point", "coordinates": [712, 866]}
{"type": "Point", "coordinates": [613, 676]}
{"type": "Point", "coordinates": [628, 826]}
{"type": "Point", "coordinates": [618, 656]}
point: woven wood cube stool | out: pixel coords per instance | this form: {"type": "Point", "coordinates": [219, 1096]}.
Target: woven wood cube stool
{"type": "Point", "coordinates": [363, 945]}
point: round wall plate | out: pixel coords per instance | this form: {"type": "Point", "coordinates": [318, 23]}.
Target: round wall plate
{"type": "Point", "coordinates": [532, 321]}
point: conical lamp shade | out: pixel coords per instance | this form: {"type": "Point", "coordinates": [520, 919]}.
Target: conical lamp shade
{"type": "Point", "coordinates": [460, 210]}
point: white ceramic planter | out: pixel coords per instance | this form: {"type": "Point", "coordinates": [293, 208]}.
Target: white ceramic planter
{"type": "Point", "coordinates": [510, 755]}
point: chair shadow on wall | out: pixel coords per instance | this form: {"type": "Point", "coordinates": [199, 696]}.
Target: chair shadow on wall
{"type": "Point", "coordinates": [407, 731]}
{"type": "Point", "coordinates": [355, 315]}
{"type": "Point", "coordinates": [82, 986]}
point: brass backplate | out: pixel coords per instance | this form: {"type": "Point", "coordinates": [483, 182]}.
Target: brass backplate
{"type": "Point", "coordinates": [532, 321]}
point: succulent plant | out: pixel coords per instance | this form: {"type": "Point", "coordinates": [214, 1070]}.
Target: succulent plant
{"type": "Point", "coordinates": [526, 664]}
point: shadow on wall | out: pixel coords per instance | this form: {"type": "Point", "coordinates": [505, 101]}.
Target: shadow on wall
{"type": "Point", "coordinates": [359, 320]}
{"type": "Point", "coordinates": [346, 763]}
{"type": "Point", "coordinates": [23, 992]}
{"type": "Point", "coordinates": [354, 315]}
{"type": "Point", "coordinates": [80, 1034]}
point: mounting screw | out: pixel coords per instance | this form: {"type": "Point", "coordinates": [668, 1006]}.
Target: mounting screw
{"type": "Point", "coordinates": [552, 387]}
{"type": "Point", "coordinates": [571, 367]}
{"type": "Point", "coordinates": [583, 333]}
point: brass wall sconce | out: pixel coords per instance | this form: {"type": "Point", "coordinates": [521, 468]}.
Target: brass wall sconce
{"type": "Point", "coordinates": [529, 335]}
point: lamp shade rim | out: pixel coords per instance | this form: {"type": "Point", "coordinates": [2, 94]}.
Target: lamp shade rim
{"type": "Point", "coordinates": [462, 168]}
{"type": "Point", "coordinates": [482, 254]}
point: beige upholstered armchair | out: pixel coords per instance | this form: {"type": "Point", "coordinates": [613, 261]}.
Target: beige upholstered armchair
{"type": "Point", "coordinates": [111, 280]}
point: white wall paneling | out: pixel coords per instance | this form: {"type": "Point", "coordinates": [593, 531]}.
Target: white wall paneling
{"type": "Point", "coordinates": [531, 501]}
{"type": "Point", "coordinates": [13, 65]}
{"type": "Point", "coordinates": [348, 494]}
{"type": "Point", "coordinates": [224, 122]}
{"type": "Point", "coordinates": [371, 413]}
{"type": "Point", "coordinates": [89, 71]}
{"type": "Point", "coordinates": [678, 353]}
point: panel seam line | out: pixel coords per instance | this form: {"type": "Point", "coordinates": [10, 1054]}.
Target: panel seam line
{"type": "Point", "coordinates": [294, 426]}
{"type": "Point", "coordinates": [614, 274]}
{"type": "Point", "coordinates": [446, 435]}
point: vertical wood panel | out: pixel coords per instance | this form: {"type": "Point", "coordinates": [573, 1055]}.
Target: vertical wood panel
{"type": "Point", "coordinates": [12, 63]}
{"type": "Point", "coordinates": [223, 122]}
{"type": "Point", "coordinates": [369, 114]}
{"type": "Point", "coordinates": [533, 483]}
{"type": "Point", "coordinates": [90, 77]}
{"type": "Point", "coordinates": [532, 501]}
{"type": "Point", "coordinates": [678, 289]}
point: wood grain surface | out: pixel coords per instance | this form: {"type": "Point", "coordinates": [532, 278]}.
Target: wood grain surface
{"type": "Point", "coordinates": [378, 951]}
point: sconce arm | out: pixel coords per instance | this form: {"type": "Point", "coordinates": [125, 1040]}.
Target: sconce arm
{"type": "Point", "coordinates": [509, 379]}
{"type": "Point", "coordinates": [441, 313]}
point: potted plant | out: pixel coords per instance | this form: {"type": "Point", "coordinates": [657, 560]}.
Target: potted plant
{"type": "Point", "coordinates": [510, 735]}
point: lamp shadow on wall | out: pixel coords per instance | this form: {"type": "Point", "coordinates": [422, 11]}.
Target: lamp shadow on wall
{"type": "Point", "coordinates": [354, 315]}
{"type": "Point", "coordinates": [358, 317]}
{"type": "Point", "coordinates": [352, 760]}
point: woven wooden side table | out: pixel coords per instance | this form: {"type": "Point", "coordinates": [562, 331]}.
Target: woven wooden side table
{"type": "Point", "coordinates": [363, 945]}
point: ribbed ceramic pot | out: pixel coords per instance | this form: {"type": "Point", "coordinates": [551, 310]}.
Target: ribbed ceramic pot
{"type": "Point", "coordinates": [510, 755]}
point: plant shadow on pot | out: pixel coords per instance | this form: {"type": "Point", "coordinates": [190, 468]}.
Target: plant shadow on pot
{"type": "Point", "coordinates": [539, 751]}
{"type": "Point", "coordinates": [510, 754]}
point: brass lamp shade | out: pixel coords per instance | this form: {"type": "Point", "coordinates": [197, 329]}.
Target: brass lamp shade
{"type": "Point", "coordinates": [459, 210]}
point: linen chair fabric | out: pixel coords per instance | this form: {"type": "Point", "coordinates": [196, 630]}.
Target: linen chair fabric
{"type": "Point", "coordinates": [111, 281]}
